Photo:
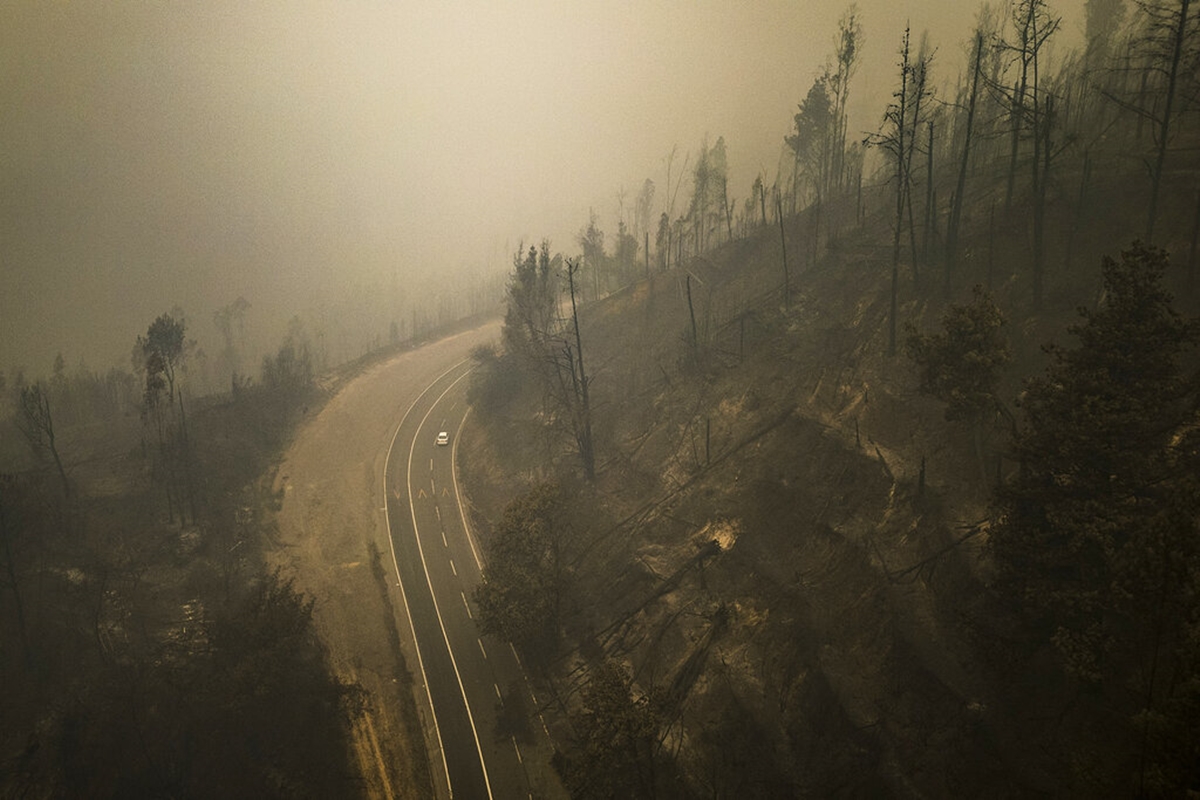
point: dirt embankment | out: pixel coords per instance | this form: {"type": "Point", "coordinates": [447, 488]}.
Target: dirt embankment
{"type": "Point", "coordinates": [829, 643]}
{"type": "Point", "coordinates": [333, 540]}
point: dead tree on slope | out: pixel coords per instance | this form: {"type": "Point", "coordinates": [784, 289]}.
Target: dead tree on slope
{"type": "Point", "coordinates": [960, 187]}
{"type": "Point", "coordinates": [1173, 43]}
{"type": "Point", "coordinates": [37, 424]}
{"type": "Point", "coordinates": [897, 139]}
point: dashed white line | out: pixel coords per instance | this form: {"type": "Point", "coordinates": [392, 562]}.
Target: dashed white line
{"type": "Point", "coordinates": [452, 569]}
{"type": "Point", "coordinates": [497, 688]}
{"type": "Point", "coordinates": [467, 606]}
{"type": "Point", "coordinates": [444, 542]}
{"type": "Point", "coordinates": [441, 623]}
{"type": "Point", "coordinates": [480, 642]}
{"type": "Point", "coordinates": [514, 741]}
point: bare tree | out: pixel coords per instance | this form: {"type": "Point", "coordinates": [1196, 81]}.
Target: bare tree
{"type": "Point", "coordinates": [1030, 109]}
{"type": "Point", "coordinates": [579, 383]}
{"type": "Point", "coordinates": [847, 48]}
{"type": "Point", "coordinates": [164, 351]}
{"type": "Point", "coordinates": [1172, 32]}
{"type": "Point", "coordinates": [960, 187]}
{"type": "Point", "coordinates": [7, 482]}
{"type": "Point", "coordinates": [897, 139]}
{"type": "Point", "coordinates": [37, 424]}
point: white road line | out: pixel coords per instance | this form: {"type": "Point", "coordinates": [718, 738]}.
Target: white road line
{"type": "Point", "coordinates": [444, 542]}
{"type": "Point", "coordinates": [475, 552]}
{"type": "Point", "coordinates": [497, 688]}
{"type": "Point", "coordinates": [437, 612]}
{"type": "Point", "coordinates": [514, 741]}
{"type": "Point", "coordinates": [399, 583]}
{"type": "Point", "coordinates": [466, 605]}
{"type": "Point", "coordinates": [437, 510]}
{"type": "Point", "coordinates": [458, 495]}
{"type": "Point", "coordinates": [452, 569]}
{"type": "Point", "coordinates": [431, 465]}
{"type": "Point", "coordinates": [480, 641]}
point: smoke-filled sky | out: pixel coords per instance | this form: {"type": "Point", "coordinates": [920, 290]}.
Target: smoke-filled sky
{"type": "Point", "coordinates": [154, 154]}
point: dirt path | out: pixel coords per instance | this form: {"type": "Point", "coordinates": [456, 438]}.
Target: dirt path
{"type": "Point", "coordinates": [333, 541]}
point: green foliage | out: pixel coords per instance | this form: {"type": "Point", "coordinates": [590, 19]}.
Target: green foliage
{"type": "Point", "coordinates": [961, 366]}
{"type": "Point", "coordinates": [532, 314]}
{"type": "Point", "coordinates": [523, 580]}
{"type": "Point", "coordinates": [163, 351]}
{"type": "Point", "coordinates": [1096, 538]}
{"type": "Point", "coordinates": [143, 663]}
{"type": "Point", "coordinates": [813, 128]}
{"type": "Point", "coordinates": [616, 734]}
{"type": "Point", "coordinates": [493, 382]}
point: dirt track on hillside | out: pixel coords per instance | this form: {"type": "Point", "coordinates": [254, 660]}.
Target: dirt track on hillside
{"type": "Point", "coordinates": [332, 541]}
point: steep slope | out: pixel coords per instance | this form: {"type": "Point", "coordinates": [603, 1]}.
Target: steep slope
{"type": "Point", "coordinates": [783, 541]}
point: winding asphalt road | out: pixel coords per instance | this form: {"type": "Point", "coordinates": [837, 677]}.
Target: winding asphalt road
{"type": "Point", "coordinates": [491, 746]}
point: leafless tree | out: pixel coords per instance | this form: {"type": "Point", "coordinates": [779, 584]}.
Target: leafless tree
{"type": "Point", "coordinates": [963, 164]}
{"type": "Point", "coordinates": [897, 139]}
{"type": "Point", "coordinates": [37, 423]}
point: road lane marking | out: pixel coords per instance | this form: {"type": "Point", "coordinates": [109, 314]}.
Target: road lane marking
{"type": "Point", "coordinates": [438, 511]}
{"type": "Point", "coordinates": [497, 688]}
{"type": "Point", "coordinates": [444, 542]}
{"type": "Point", "coordinates": [514, 741]}
{"type": "Point", "coordinates": [480, 641]}
{"type": "Point", "coordinates": [452, 569]}
{"type": "Point", "coordinates": [437, 731]}
{"type": "Point", "coordinates": [431, 465]}
{"type": "Point", "coordinates": [467, 606]}
{"type": "Point", "coordinates": [462, 512]}
{"type": "Point", "coordinates": [433, 595]}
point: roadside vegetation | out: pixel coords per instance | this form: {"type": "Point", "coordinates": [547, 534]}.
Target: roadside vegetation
{"type": "Point", "coordinates": [891, 486]}
{"type": "Point", "coordinates": [148, 652]}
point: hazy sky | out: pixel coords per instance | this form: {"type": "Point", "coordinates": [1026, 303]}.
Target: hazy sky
{"type": "Point", "coordinates": [162, 153]}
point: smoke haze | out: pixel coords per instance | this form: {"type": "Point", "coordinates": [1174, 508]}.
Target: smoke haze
{"type": "Point", "coordinates": [304, 154]}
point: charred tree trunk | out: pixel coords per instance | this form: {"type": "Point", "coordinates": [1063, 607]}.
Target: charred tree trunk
{"type": "Point", "coordinates": [584, 433]}
{"type": "Point", "coordinates": [695, 342]}
{"type": "Point", "coordinates": [930, 194]}
{"type": "Point", "coordinates": [961, 185]}
{"type": "Point", "coordinates": [1164, 125]}
{"type": "Point", "coordinates": [11, 568]}
{"type": "Point", "coordinates": [787, 289]}
{"type": "Point", "coordinates": [1191, 267]}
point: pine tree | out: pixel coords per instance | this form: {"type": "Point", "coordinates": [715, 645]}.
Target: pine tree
{"type": "Point", "coordinates": [1096, 537]}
